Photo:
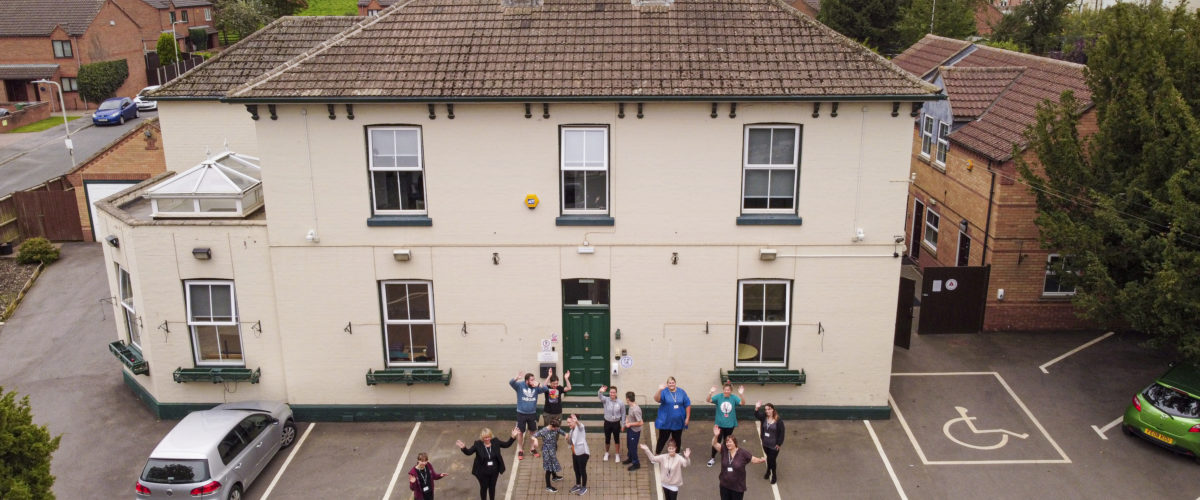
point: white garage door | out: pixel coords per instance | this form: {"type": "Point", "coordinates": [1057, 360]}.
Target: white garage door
{"type": "Point", "coordinates": [99, 190]}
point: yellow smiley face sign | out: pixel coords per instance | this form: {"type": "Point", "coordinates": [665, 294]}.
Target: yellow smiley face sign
{"type": "Point", "coordinates": [531, 201]}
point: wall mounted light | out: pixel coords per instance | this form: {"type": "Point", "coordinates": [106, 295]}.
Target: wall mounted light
{"type": "Point", "coordinates": [112, 240]}
{"type": "Point", "coordinates": [962, 225]}
{"type": "Point", "coordinates": [674, 258]}
{"type": "Point", "coordinates": [618, 334]}
{"type": "Point", "coordinates": [496, 258]}
{"type": "Point", "coordinates": [586, 250]}
{"type": "Point", "coordinates": [201, 253]}
{"type": "Point", "coordinates": [312, 236]}
{"type": "Point", "coordinates": [402, 254]}
{"type": "Point", "coordinates": [767, 253]}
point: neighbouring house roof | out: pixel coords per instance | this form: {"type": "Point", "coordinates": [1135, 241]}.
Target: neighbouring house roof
{"type": "Point", "coordinates": [27, 71]}
{"type": "Point", "coordinates": [382, 3]}
{"type": "Point", "coordinates": [254, 55]}
{"type": "Point", "coordinates": [987, 16]}
{"type": "Point", "coordinates": [567, 49]}
{"type": "Point", "coordinates": [929, 53]}
{"type": "Point", "coordinates": [1000, 89]}
{"type": "Point", "coordinates": [40, 17]}
{"type": "Point", "coordinates": [972, 91]}
{"type": "Point", "coordinates": [810, 7]}
{"type": "Point", "coordinates": [167, 4]}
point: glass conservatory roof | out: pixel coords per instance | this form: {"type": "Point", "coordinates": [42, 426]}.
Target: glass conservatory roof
{"type": "Point", "coordinates": [227, 174]}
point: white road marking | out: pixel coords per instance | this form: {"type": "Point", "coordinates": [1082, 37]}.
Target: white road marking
{"type": "Point", "coordinates": [657, 476]}
{"type": "Point", "coordinates": [1073, 351]}
{"type": "Point", "coordinates": [882, 455]}
{"type": "Point", "coordinates": [513, 473]}
{"type": "Point", "coordinates": [295, 448]}
{"type": "Point", "coordinates": [775, 487]}
{"type": "Point", "coordinates": [1036, 423]}
{"type": "Point", "coordinates": [1102, 430]}
{"type": "Point", "coordinates": [399, 465]}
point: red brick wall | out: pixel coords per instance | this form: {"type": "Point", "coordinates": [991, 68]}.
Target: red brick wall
{"type": "Point", "coordinates": [113, 35]}
{"type": "Point", "coordinates": [29, 114]}
{"type": "Point", "coordinates": [40, 50]}
{"type": "Point", "coordinates": [373, 5]}
{"type": "Point", "coordinates": [147, 18]}
{"type": "Point", "coordinates": [134, 157]}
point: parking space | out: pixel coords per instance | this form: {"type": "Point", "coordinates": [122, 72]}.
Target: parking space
{"type": "Point", "coordinates": [437, 440]}
{"type": "Point", "coordinates": [340, 460]}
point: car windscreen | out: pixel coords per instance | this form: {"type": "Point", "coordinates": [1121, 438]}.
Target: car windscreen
{"type": "Point", "coordinates": [109, 105]}
{"type": "Point", "coordinates": [175, 471]}
{"type": "Point", "coordinates": [1171, 401]}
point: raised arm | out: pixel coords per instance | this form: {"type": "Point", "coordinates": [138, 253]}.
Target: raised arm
{"type": "Point", "coordinates": [549, 374]}
{"type": "Point", "coordinates": [716, 435]}
{"type": "Point", "coordinates": [464, 449]}
{"type": "Point", "coordinates": [658, 395]}
{"type": "Point", "coordinates": [742, 393]}
{"type": "Point", "coordinates": [567, 380]}
{"type": "Point", "coordinates": [756, 460]}
{"type": "Point", "coordinates": [602, 393]}
{"type": "Point", "coordinates": [711, 390]}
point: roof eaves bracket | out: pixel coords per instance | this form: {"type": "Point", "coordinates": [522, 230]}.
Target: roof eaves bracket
{"type": "Point", "coordinates": [450, 111]}
{"type": "Point", "coordinates": [253, 110]}
{"type": "Point", "coordinates": [733, 110]}
{"type": "Point", "coordinates": [332, 113]}
{"type": "Point", "coordinates": [271, 110]}
{"type": "Point", "coordinates": [640, 115]}
{"type": "Point", "coordinates": [349, 111]}
{"type": "Point", "coordinates": [528, 112]}
{"type": "Point", "coordinates": [714, 111]}
{"type": "Point", "coordinates": [895, 109]}
{"type": "Point", "coordinates": [432, 113]}
{"type": "Point", "coordinates": [816, 110]}
{"type": "Point", "coordinates": [916, 107]}
{"type": "Point", "coordinates": [620, 110]}
{"type": "Point", "coordinates": [545, 110]}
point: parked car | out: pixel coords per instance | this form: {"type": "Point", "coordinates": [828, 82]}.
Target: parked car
{"type": "Point", "coordinates": [145, 103]}
{"type": "Point", "coordinates": [115, 110]}
{"type": "Point", "coordinates": [217, 453]}
{"type": "Point", "coordinates": [1167, 412]}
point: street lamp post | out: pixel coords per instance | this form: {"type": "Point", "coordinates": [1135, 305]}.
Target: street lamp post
{"type": "Point", "coordinates": [62, 105]}
{"type": "Point", "coordinates": [175, 42]}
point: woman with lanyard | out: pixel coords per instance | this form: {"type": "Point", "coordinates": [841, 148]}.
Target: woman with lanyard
{"type": "Point", "coordinates": [733, 465]}
{"type": "Point", "coordinates": [672, 465]}
{"type": "Point", "coordinates": [772, 436]}
{"type": "Point", "coordinates": [421, 478]}
{"type": "Point", "coordinates": [489, 460]}
{"type": "Point", "coordinates": [674, 414]}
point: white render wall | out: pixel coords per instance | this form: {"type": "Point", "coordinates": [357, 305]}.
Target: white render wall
{"type": "Point", "coordinates": [193, 128]}
{"type": "Point", "coordinates": [675, 180]}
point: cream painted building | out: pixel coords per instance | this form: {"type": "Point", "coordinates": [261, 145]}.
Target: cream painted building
{"type": "Point", "coordinates": [742, 224]}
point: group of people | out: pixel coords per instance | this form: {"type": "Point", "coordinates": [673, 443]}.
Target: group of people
{"type": "Point", "coordinates": [620, 414]}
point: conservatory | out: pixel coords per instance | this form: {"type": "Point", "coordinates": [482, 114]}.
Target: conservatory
{"type": "Point", "coordinates": [226, 185]}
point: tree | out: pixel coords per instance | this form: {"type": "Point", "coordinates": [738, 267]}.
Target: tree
{"type": "Point", "coordinates": [25, 451]}
{"type": "Point", "coordinates": [242, 17]}
{"type": "Point", "coordinates": [951, 18]}
{"type": "Point", "coordinates": [1035, 25]}
{"type": "Point", "coordinates": [166, 49]}
{"type": "Point", "coordinates": [871, 22]}
{"type": "Point", "coordinates": [1124, 204]}
{"type": "Point", "coordinates": [280, 8]}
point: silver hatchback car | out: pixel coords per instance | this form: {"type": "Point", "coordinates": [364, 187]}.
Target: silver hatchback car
{"type": "Point", "coordinates": [217, 453]}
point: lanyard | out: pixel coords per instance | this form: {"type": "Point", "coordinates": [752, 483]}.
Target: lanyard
{"type": "Point", "coordinates": [423, 475]}
{"type": "Point", "coordinates": [488, 450]}
{"type": "Point", "coordinates": [674, 400]}
{"type": "Point", "coordinates": [730, 453]}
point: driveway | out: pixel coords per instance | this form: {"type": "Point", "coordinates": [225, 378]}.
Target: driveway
{"type": "Point", "coordinates": [35, 157]}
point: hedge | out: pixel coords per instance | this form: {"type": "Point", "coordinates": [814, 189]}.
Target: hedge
{"type": "Point", "coordinates": [99, 81]}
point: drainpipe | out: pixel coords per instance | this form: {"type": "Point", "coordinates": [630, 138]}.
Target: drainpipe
{"type": "Point", "coordinates": [987, 225]}
{"type": "Point", "coordinates": [78, 66]}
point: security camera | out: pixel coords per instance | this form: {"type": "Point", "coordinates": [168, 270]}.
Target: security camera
{"type": "Point", "coordinates": [899, 240]}
{"type": "Point", "coordinates": [312, 236]}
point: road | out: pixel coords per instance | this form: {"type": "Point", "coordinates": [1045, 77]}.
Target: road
{"type": "Point", "coordinates": [33, 158]}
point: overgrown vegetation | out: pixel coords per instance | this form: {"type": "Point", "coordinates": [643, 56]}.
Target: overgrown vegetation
{"type": "Point", "coordinates": [330, 8]}
{"type": "Point", "coordinates": [241, 17]}
{"type": "Point", "coordinates": [99, 81]}
{"type": "Point", "coordinates": [37, 249]}
{"type": "Point", "coordinates": [891, 26]}
{"type": "Point", "coordinates": [25, 452]}
{"type": "Point", "coordinates": [198, 37]}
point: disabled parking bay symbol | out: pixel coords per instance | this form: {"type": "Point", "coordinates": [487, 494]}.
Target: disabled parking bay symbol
{"type": "Point", "coordinates": [970, 426]}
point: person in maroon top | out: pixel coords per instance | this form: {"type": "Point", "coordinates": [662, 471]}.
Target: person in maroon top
{"type": "Point", "coordinates": [421, 478]}
{"type": "Point", "coordinates": [733, 465]}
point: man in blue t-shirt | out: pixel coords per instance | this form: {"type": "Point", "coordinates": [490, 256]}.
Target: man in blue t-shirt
{"type": "Point", "coordinates": [727, 405]}
{"type": "Point", "coordinates": [527, 397]}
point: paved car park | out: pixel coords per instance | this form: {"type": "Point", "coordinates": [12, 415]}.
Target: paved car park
{"type": "Point", "coordinates": [55, 349]}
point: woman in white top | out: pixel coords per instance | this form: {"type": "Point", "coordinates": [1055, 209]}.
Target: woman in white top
{"type": "Point", "coordinates": [671, 466]}
{"type": "Point", "coordinates": [580, 454]}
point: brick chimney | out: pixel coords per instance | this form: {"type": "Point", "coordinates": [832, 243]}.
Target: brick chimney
{"type": "Point", "coordinates": [520, 7]}
{"type": "Point", "coordinates": [652, 5]}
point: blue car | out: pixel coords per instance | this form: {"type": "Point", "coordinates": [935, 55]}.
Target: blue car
{"type": "Point", "coordinates": [115, 110]}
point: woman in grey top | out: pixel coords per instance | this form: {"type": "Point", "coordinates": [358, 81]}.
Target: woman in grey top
{"type": "Point", "coordinates": [614, 418]}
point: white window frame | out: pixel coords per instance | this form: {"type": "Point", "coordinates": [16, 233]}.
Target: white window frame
{"type": "Point", "coordinates": [1049, 272]}
{"type": "Point", "coordinates": [383, 299]}
{"type": "Point", "coordinates": [207, 14]}
{"type": "Point", "coordinates": [943, 144]}
{"type": "Point", "coordinates": [420, 167]}
{"type": "Point", "coordinates": [926, 136]}
{"type": "Point", "coordinates": [931, 228]}
{"type": "Point", "coordinates": [794, 166]}
{"type": "Point", "coordinates": [172, 18]}
{"type": "Point", "coordinates": [183, 15]}
{"type": "Point", "coordinates": [133, 330]}
{"type": "Point", "coordinates": [786, 323]}
{"type": "Point", "coordinates": [582, 166]}
{"type": "Point", "coordinates": [187, 287]}
{"type": "Point", "coordinates": [372, 12]}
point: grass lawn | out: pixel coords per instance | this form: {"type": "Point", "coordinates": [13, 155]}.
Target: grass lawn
{"type": "Point", "coordinates": [44, 124]}
{"type": "Point", "coordinates": [330, 8]}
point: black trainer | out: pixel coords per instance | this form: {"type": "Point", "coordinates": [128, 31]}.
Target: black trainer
{"type": "Point", "coordinates": [634, 467]}
{"type": "Point", "coordinates": [552, 489]}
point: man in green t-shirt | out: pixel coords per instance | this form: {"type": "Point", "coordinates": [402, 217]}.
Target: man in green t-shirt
{"type": "Point", "coordinates": [727, 404]}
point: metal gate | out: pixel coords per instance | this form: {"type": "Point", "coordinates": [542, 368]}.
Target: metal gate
{"type": "Point", "coordinates": [904, 313]}
{"type": "Point", "coordinates": [53, 215]}
{"type": "Point", "coordinates": [953, 299]}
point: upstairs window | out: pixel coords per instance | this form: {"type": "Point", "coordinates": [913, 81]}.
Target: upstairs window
{"type": "Point", "coordinates": [172, 14]}
{"type": "Point", "coordinates": [397, 170]}
{"type": "Point", "coordinates": [372, 12]}
{"type": "Point", "coordinates": [584, 170]}
{"type": "Point", "coordinates": [1052, 286]}
{"type": "Point", "coordinates": [62, 49]}
{"type": "Point", "coordinates": [943, 144]}
{"type": "Point", "coordinates": [208, 14]}
{"type": "Point", "coordinates": [770, 169]}
{"type": "Point", "coordinates": [932, 219]}
{"type": "Point", "coordinates": [183, 16]}
{"type": "Point", "coordinates": [927, 136]}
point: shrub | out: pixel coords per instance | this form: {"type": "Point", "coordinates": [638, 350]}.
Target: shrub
{"type": "Point", "coordinates": [26, 452]}
{"type": "Point", "coordinates": [37, 250]}
{"type": "Point", "coordinates": [99, 81]}
{"type": "Point", "coordinates": [166, 48]}
{"type": "Point", "coordinates": [198, 37]}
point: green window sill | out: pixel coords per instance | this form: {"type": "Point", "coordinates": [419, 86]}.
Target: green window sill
{"type": "Point", "coordinates": [399, 220]}
{"type": "Point", "coordinates": [217, 375]}
{"type": "Point", "coordinates": [409, 376]}
{"type": "Point", "coordinates": [130, 357]}
{"type": "Point", "coordinates": [584, 220]}
{"type": "Point", "coordinates": [763, 376]}
{"type": "Point", "coordinates": [769, 220]}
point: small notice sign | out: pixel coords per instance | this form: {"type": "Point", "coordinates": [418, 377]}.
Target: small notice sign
{"type": "Point", "coordinates": [626, 361]}
{"type": "Point", "coordinates": [554, 338]}
{"type": "Point", "coordinates": [937, 285]}
{"type": "Point", "coordinates": [951, 284]}
{"type": "Point", "coordinates": [545, 345]}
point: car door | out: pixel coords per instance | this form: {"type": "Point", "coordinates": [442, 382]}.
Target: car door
{"type": "Point", "coordinates": [232, 451]}
{"type": "Point", "coordinates": [261, 447]}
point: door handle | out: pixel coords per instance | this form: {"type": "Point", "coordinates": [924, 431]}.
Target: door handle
{"type": "Point", "coordinates": [238, 466]}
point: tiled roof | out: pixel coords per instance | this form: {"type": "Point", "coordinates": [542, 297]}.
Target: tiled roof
{"type": "Point", "coordinates": [972, 90]}
{"type": "Point", "coordinates": [166, 4]}
{"type": "Point", "coordinates": [382, 3]}
{"type": "Point", "coordinates": [929, 53]}
{"type": "Point", "coordinates": [27, 71]}
{"type": "Point", "coordinates": [566, 49]}
{"type": "Point", "coordinates": [39, 17]}
{"type": "Point", "coordinates": [254, 55]}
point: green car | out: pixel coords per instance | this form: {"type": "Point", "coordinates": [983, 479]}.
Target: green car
{"type": "Point", "coordinates": [1167, 413]}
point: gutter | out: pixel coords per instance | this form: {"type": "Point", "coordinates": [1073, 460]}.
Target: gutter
{"type": "Point", "coordinates": [625, 98]}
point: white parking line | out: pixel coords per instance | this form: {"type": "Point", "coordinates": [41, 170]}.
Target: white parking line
{"type": "Point", "coordinates": [400, 464]}
{"type": "Point", "coordinates": [512, 474]}
{"type": "Point", "coordinates": [775, 487]}
{"type": "Point", "coordinates": [657, 476]}
{"type": "Point", "coordinates": [1073, 351]}
{"type": "Point", "coordinates": [886, 463]}
{"type": "Point", "coordinates": [291, 455]}
{"type": "Point", "coordinates": [1102, 430]}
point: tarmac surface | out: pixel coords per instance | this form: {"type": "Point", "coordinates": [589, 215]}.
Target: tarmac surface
{"type": "Point", "coordinates": [955, 398]}
{"type": "Point", "coordinates": [29, 159]}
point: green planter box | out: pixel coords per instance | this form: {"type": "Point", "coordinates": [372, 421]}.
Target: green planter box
{"type": "Point", "coordinates": [409, 376]}
{"type": "Point", "coordinates": [130, 357]}
{"type": "Point", "coordinates": [217, 375]}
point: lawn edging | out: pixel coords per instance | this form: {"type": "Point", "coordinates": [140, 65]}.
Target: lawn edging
{"type": "Point", "coordinates": [12, 307]}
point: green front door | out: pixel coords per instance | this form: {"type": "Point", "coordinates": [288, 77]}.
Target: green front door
{"type": "Point", "coordinates": [585, 347]}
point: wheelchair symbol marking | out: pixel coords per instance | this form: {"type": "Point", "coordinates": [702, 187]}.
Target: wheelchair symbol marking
{"type": "Point", "coordinates": [970, 421]}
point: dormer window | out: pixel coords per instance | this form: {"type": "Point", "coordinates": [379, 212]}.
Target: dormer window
{"type": "Point", "coordinates": [227, 185]}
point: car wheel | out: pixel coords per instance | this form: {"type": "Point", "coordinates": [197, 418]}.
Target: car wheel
{"type": "Point", "coordinates": [121, 120]}
{"type": "Point", "coordinates": [236, 492]}
{"type": "Point", "coordinates": [289, 435]}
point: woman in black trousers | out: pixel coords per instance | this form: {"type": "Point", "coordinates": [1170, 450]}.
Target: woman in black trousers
{"type": "Point", "coordinates": [772, 436]}
{"type": "Point", "coordinates": [489, 460]}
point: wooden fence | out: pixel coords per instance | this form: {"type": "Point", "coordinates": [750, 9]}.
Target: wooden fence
{"type": "Point", "coordinates": [49, 210]}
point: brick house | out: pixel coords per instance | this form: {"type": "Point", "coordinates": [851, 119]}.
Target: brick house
{"type": "Point", "coordinates": [133, 157]}
{"type": "Point", "coordinates": [968, 205]}
{"type": "Point", "coordinates": [180, 16]}
{"type": "Point", "coordinates": [372, 7]}
{"type": "Point", "coordinates": [42, 39]}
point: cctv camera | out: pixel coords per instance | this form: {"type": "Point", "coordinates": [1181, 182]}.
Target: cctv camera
{"type": "Point", "coordinates": [899, 240]}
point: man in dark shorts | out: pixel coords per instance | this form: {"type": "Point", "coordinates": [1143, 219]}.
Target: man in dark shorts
{"type": "Point", "coordinates": [554, 395]}
{"type": "Point", "coordinates": [527, 395]}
